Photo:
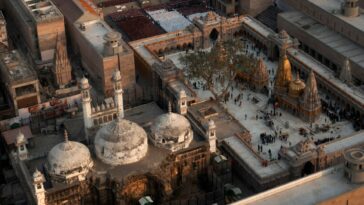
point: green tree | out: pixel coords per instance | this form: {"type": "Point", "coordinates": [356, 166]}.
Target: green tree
{"type": "Point", "coordinates": [218, 67]}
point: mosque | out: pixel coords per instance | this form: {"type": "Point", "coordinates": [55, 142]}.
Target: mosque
{"type": "Point", "coordinates": [122, 162]}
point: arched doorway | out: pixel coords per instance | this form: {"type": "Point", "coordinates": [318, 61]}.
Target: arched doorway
{"type": "Point", "coordinates": [214, 35]}
{"type": "Point", "coordinates": [308, 169]}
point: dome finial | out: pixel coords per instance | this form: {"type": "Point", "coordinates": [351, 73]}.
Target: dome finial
{"type": "Point", "coordinates": [65, 136]}
{"type": "Point", "coordinates": [297, 75]}
{"type": "Point", "coordinates": [169, 107]}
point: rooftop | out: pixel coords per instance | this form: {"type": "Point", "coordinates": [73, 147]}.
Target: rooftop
{"type": "Point", "coordinates": [345, 143]}
{"type": "Point", "coordinates": [127, 21]}
{"type": "Point", "coordinates": [170, 21]}
{"type": "Point", "coordinates": [312, 189]}
{"type": "Point", "coordinates": [14, 66]}
{"type": "Point", "coordinates": [251, 159]}
{"type": "Point", "coordinates": [335, 41]}
{"type": "Point", "coordinates": [42, 10]}
{"type": "Point", "coordinates": [334, 8]}
{"type": "Point", "coordinates": [94, 32]}
{"type": "Point", "coordinates": [258, 26]}
{"type": "Point", "coordinates": [326, 73]}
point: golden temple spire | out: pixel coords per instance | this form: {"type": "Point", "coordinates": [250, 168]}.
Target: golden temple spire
{"type": "Point", "coordinates": [284, 73]}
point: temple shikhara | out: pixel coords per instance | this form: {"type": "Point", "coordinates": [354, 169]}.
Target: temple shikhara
{"type": "Point", "coordinates": [301, 99]}
{"type": "Point", "coordinates": [247, 102]}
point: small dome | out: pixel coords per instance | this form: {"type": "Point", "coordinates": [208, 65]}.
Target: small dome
{"type": "Point", "coordinates": [20, 138]}
{"type": "Point", "coordinates": [296, 87]}
{"type": "Point", "coordinates": [171, 131]}
{"type": "Point", "coordinates": [121, 142]}
{"type": "Point", "coordinates": [68, 157]}
{"type": "Point", "coordinates": [211, 124]}
{"type": "Point", "coordinates": [112, 36]}
{"type": "Point", "coordinates": [117, 75]}
{"type": "Point", "coordinates": [283, 34]}
{"type": "Point", "coordinates": [84, 82]}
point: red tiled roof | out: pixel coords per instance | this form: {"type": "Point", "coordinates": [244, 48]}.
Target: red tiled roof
{"type": "Point", "coordinates": [135, 24]}
{"type": "Point", "coordinates": [113, 3]}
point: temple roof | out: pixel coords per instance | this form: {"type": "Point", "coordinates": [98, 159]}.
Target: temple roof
{"type": "Point", "coordinates": [311, 98]}
{"type": "Point", "coordinates": [260, 73]}
{"type": "Point", "coordinates": [284, 73]}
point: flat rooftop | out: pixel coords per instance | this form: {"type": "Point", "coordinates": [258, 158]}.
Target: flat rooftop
{"type": "Point", "coordinates": [15, 68]}
{"type": "Point", "coordinates": [42, 10]}
{"type": "Point", "coordinates": [335, 41]}
{"type": "Point", "coordinates": [95, 32]}
{"type": "Point", "coordinates": [335, 5]}
{"type": "Point", "coordinates": [310, 190]}
{"type": "Point", "coordinates": [258, 26]}
{"type": "Point", "coordinates": [226, 125]}
{"type": "Point", "coordinates": [355, 139]}
{"type": "Point", "coordinates": [170, 21]}
{"type": "Point", "coordinates": [244, 153]}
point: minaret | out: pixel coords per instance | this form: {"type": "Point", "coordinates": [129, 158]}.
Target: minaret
{"type": "Point", "coordinates": [20, 144]}
{"type": "Point", "coordinates": [284, 73]}
{"type": "Point", "coordinates": [182, 102]}
{"type": "Point", "coordinates": [345, 73]}
{"type": "Point", "coordinates": [211, 135]}
{"type": "Point", "coordinates": [311, 103]}
{"type": "Point", "coordinates": [86, 104]}
{"type": "Point", "coordinates": [62, 67]}
{"type": "Point", "coordinates": [118, 95]}
{"type": "Point", "coordinates": [39, 191]}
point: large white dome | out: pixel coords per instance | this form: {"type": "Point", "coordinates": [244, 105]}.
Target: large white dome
{"type": "Point", "coordinates": [121, 142]}
{"type": "Point", "coordinates": [69, 157]}
{"type": "Point", "coordinates": [171, 131]}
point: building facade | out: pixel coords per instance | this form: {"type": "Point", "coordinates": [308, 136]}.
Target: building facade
{"type": "Point", "coordinates": [38, 24]}
{"type": "Point", "coordinates": [20, 79]}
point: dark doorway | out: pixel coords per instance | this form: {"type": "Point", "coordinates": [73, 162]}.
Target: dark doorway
{"type": "Point", "coordinates": [214, 35]}
{"type": "Point", "coordinates": [308, 169]}
{"type": "Point", "coordinates": [276, 52]}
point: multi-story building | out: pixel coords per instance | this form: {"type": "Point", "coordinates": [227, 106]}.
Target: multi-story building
{"type": "Point", "coordinates": [101, 49]}
{"type": "Point", "coordinates": [37, 23]}
{"type": "Point", "coordinates": [20, 80]}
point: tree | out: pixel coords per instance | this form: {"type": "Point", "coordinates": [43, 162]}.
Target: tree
{"type": "Point", "coordinates": [218, 67]}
